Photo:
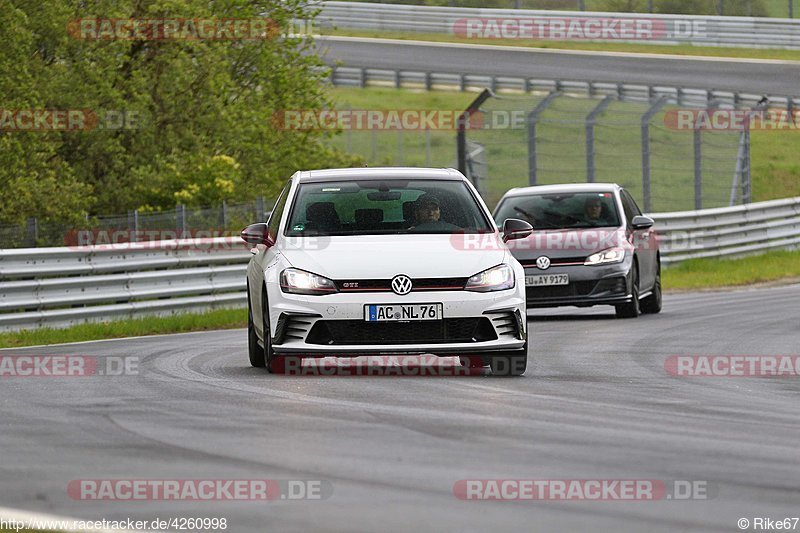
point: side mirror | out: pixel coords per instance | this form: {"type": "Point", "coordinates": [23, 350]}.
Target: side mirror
{"type": "Point", "coordinates": [642, 222]}
{"type": "Point", "coordinates": [514, 228]}
{"type": "Point", "coordinates": [256, 234]}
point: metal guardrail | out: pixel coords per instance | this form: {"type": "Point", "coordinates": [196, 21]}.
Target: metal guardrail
{"type": "Point", "coordinates": [58, 287]}
{"type": "Point", "coordinates": [69, 285]}
{"type": "Point", "coordinates": [682, 96]}
{"type": "Point", "coordinates": [666, 29]}
{"type": "Point", "coordinates": [729, 231]}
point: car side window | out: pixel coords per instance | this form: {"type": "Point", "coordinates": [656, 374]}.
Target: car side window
{"type": "Point", "coordinates": [277, 212]}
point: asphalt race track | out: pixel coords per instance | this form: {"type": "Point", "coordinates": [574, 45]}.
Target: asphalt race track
{"type": "Point", "coordinates": [596, 403]}
{"type": "Point", "coordinates": [744, 75]}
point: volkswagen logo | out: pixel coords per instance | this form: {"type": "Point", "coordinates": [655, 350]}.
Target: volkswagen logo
{"type": "Point", "coordinates": [401, 284]}
{"type": "Point", "coordinates": [543, 263]}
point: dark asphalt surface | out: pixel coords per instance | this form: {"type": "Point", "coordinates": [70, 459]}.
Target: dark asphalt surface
{"type": "Point", "coordinates": [596, 403]}
{"type": "Point", "coordinates": [759, 77]}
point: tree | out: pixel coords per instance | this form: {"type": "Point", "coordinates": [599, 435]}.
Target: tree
{"type": "Point", "coordinates": [171, 113]}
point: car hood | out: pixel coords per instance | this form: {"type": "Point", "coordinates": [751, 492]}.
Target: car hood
{"type": "Point", "coordinates": [567, 243]}
{"type": "Point", "coordinates": [385, 256]}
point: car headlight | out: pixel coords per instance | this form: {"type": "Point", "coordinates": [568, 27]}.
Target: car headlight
{"type": "Point", "coordinates": [497, 278]}
{"type": "Point", "coordinates": [296, 281]}
{"type": "Point", "coordinates": [611, 255]}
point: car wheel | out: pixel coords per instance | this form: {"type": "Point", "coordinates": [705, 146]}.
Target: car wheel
{"type": "Point", "coordinates": [510, 364]}
{"type": "Point", "coordinates": [631, 309]}
{"type": "Point", "coordinates": [474, 361]}
{"type": "Point", "coordinates": [652, 304]}
{"type": "Point", "coordinates": [275, 363]}
{"type": "Point", "coordinates": [254, 350]}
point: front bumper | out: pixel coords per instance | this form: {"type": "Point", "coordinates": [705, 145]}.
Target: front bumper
{"type": "Point", "coordinates": [334, 325]}
{"type": "Point", "coordinates": [588, 286]}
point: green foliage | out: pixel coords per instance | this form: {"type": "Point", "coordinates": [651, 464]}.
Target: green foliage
{"type": "Point", "coordinates": [198, 112]}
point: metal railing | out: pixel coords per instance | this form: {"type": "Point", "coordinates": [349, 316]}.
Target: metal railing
{"type": "Point", "coordinates": [58, 287]}
{"type": "Point", "coordinates": [698, 30]}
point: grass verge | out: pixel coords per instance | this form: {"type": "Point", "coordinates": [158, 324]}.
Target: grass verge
{"type": "Point", "coordinates": [715, 273]}
{"type": "Point", "coordinates": [636, 48]}
{"type": "Point", "coordinates": [151, 325]}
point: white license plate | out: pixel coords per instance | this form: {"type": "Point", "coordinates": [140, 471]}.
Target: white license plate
{"type": "Point", "coordinates": [399, 312]}
{"type": "Point", "coordinates": [547, 279]}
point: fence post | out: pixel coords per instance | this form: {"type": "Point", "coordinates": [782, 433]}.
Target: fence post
{"type": "Point", "coordinates": [461, 134]}
{"type": "Point", "coordinates": [698, 168]}
{"type": "Point", "coordinates": [362, 77]}
{"type": "Point", "coordinates": [591, 120]}
{"type": "Point", "coordinates": [133, 225]}
{"type": "Point", "coordinates": [533, 118]}
{"type": "Point", "coordinates": [32, 231]}
{"type": "Point", "coordinates": [427, 146]}
{"type": "Point", "coordinates": [223, 215]}
{"type": "Point", "coordinates": [646, 118]}
{"type": "Point", "coordinates": [260, 209]}
{"type": "Point", "coordinates": [400, 154]}
{"type": "Point", "coordinates": [180, 219]}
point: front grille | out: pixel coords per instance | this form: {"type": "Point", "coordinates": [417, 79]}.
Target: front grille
{"type": "Point", "coordinates": [577, 289]}
{"type": "Point", "coordinates": [385, 285]}
{"type": "Point", "coordinates": [555, 261]}
{"type": "Point", "coordinates": [461, 330]}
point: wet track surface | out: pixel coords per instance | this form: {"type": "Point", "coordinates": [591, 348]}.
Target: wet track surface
{"type": "Point", "coordinates": [754, 76]}
{"type": "Point", "coordinates": [596, 403]}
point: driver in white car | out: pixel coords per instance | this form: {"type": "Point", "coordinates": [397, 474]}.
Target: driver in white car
{"type": "Point", "coordinates": [427, 214]}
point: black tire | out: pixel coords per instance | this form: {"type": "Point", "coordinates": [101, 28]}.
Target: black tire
{"type": "Point", "coordinates": [631, 309]}
{"type": "Point", "coordinates": [255, 351]}
{"type": "Point", "coordinates": [510, 364]}
{"type": "Point", "coordinates": [275, 363]}
{"type": "Point", "coordinates": [652, 304]}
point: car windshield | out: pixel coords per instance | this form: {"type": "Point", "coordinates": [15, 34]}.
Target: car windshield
{"type": "Point", "coordinates": [562, 210]}
{"type": "Point", "coordinates": [380, 207]}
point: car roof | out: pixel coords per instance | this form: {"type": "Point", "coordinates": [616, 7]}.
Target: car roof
{"type": "Point", "coordinates": [378, 173]}
{"type": "Point", "coordinates": [564, 187]}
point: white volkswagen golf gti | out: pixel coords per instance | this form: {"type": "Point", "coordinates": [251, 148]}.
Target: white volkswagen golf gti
{"type": "Point", "coordinates": [370, 261]}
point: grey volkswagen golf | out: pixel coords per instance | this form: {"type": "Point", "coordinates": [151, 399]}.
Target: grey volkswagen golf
{"type": "Point", "coordinates": [591, 246]}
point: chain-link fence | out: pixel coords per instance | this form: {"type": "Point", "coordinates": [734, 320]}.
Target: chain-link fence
{"type": "Point", "coordinates": [565, 138]}
{"type": "Point", "coordinates": [136, 226]}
